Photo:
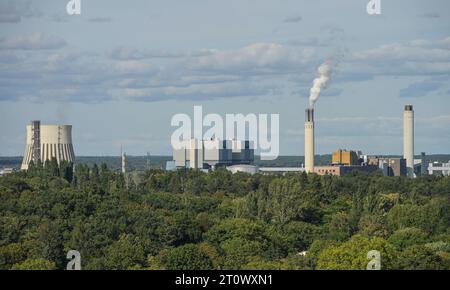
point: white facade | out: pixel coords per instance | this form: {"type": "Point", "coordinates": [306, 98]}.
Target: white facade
{"type": "Point", "coordinates": [245, 168]}
{"type": "Point", "coordinates": [55, 142]}
{"type": "Point", "coordinates": [439, 168]}
{"type": "Point", "coordinates": [199, 154]}
{"type": "Point", "coordinates": [408, 139]}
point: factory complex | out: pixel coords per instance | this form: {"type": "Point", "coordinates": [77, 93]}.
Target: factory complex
{"type": "Point", "coordinates": [48, 142]}
{"type": "Point", "coordinates": [238, 156]}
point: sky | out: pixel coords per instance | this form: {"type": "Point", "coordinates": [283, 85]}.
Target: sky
{"type": "Point", "coordinates": [120, 70]}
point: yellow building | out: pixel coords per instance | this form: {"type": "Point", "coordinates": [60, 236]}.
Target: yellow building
{"type": "Point", "coordinates": [345, 157]}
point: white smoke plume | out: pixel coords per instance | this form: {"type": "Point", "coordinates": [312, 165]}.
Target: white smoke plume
{"type": "Point", "coordinates": [321, 82]}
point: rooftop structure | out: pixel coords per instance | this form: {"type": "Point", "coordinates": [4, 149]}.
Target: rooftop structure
{"type": "Point", "coordinates": [345, 157]}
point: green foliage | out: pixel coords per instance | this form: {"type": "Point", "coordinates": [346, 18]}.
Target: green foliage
{"type": "Point", "coordinates": [352, 254]}
{"type": "Point", "coordinates": [340, 228]}
{"type": "Point", "coordinates": [188, 257]}
{"type": "Point", "coordinates": [188, 219]}
{"type": "Point", "coordinates": [35, 264]}
{"type": "Point", "coordinates": [300, 235]}
{"type": "Point", "coordinates": [419, 257]}
{"type": "Point", "coordinates": [124, 253]}
{"type": "Point", "coordinates": [373, 226]}
{"type": "Point", "coordinates": [408, 237]}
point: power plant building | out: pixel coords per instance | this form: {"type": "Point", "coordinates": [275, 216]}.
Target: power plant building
{"type": "Point", "coordinates": [45, 142]}
{"type": "Point", "coordinates": [390, 166]}
{"type": "Point", "coordinates": [345, 157]}
{"type": "Point", "coordinates": [439, 168]}
{"type": "Point", "coordinates": [205, 154]}
{"type": "Point", "coordinates": [340, 170]}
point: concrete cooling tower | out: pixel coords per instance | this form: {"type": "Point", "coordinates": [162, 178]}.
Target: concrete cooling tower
{"type": "Point", "coordinates": [45, 142]}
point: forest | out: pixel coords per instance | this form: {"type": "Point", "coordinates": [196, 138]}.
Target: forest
{"type": "Point", "coordinates": [186, 219]}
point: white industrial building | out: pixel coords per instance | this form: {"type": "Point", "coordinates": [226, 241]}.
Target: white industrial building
{"type": "Point", "coordinates": [253, 169]}
{"type": "Point", "coordinates": [437, 168]}
{"type": "Point", "coordinates": [205, 154]}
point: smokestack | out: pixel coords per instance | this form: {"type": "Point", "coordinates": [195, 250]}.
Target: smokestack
{"type": "Point", "coordinates": [309, 140]}
{"type": "Point", "coordinates": [408, 139]}
{"type": "Point", "coordinates": [124, 163]}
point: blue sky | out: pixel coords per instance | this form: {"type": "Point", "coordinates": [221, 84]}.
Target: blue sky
{"type": "Point", "coordinates": [119, 71]}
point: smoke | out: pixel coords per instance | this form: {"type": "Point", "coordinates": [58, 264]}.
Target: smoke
{"type": "Point", "coordinates": [62, 112]}
{"type": "Point", "coordinates": [321, 82]}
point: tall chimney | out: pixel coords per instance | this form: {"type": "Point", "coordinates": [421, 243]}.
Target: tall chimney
{"type": "Point", "coordinates": [408, 139]}
{"type": "Point", "coordinates": [124, 163]}
{"type": "Point", "coordinates": [309, 140]}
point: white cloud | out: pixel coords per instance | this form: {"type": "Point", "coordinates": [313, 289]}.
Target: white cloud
{"type": "Point", "coordinates": [258, 69]}
{"type": "Point", "coordinates": [35, 41]}
{"type": "Point", "coordinates": [129, 53]}
{"type": "Point", "coordinates": [257, 57]}
{"type": "Point", "coordinates": [14, 11]}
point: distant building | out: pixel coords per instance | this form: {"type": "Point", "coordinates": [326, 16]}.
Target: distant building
{"type": "Point", "coordinates": [424, 166]}
{"type": "Point", "coordinates": [421, 165]}
{"type": "Point", "coordinates": [437, 168]}
{"type": "Point", "coordinates": [206, 154]}
{"type": "Point", "coordinates": [340, 170]}
{"type": "Point", "coordinates": [345, 157]}
{"type": "Point", "coordinates": [4, 171]}
{"type": "Point", "coordinates": [390, 166]}
{"type": "Point", "coordinates": [245, 168]}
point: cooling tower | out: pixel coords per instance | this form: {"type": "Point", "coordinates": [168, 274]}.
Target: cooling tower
{"type": "Point", "coordinates": [45, 142]}
{"type": "Point", "coordinates": [408, 139]}
{"type": "Point", "coordinates": [309, 140]}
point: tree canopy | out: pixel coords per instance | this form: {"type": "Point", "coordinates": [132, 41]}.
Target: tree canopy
{"type": "Point", "coordinates": [188, 219]}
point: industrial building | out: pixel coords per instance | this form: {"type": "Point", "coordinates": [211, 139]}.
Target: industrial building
{"type": "Point", "coordinates": [45, 142]}
{"type": "Point", "coordinates": [207, 154]}
{"type": "Point", "coordinates": [390, 166]}
{"type": "Point", "coordinates": [244, 168]}
{"type": "Point", "coordinates": [340, 170]}
{"type": "Point", "coordinates": [7, 170]}
{"type": "Point", "coordinates": [344, 157]}
{"type": "Point", "coordinates": [421, 165]}
{"type": "Point", "coordinates": [438, 168]}
{"type": "Point", "coordinates": [237, 156]}
{"type": "Point", "coordinates": [252, 169]}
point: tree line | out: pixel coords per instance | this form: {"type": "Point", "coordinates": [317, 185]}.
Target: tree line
{"type": "Point", "coordinates": [188, 219]}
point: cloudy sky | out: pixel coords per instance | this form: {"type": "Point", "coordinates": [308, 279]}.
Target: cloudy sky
{"type": "Point", "coordinates": [119, 71]}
